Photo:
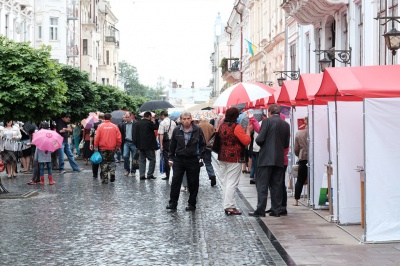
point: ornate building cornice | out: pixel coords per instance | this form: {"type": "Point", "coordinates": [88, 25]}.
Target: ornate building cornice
{"type": "Point", "coordinates": [307, 12]}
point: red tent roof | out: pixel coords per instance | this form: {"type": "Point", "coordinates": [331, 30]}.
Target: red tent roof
{"type": "Point", "coordinates": [355, 83]}
{"type": "Point", "coordinates": [308, 87]}
{"type": "Point", "coordinates": [288, 92]}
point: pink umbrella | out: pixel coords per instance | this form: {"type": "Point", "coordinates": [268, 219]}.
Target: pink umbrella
{"type": "Point", "coordinates": [47, 140]}
{"type": "Point", "coordinates": [90, 121]}
{"type": "Point", "coordinates": [243, 92]}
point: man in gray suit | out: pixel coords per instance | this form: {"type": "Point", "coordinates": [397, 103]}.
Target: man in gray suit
{"type": "Point", "coordinates": [273, 139]}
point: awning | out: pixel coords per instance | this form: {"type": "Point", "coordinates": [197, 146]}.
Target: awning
{"type": "Point", "coordinates": [288, 93]}
{"type": "Point", "coordinates": [309, 85]}
{"type": "Point", "coordinates": [355, 83]}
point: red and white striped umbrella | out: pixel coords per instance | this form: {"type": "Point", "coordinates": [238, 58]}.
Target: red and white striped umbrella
{"type": "Point", "coordinates": [243, 92]}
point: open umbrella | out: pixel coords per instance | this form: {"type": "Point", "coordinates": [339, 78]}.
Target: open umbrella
{"type": "Point", "coordinates": [47, 140]}
{"type": "Point", "coordinates": [155, 105]}
{"type": "Point", "coordinates": [203, 115]}
{"type": "Point", "coordinates": [243, 92]}
{"type": "Point", "coordinates": [90, 121]}
{"type": "Point", "coordinates": [29, 127]}
{"type": "Point", "coordinates": [116, 116]}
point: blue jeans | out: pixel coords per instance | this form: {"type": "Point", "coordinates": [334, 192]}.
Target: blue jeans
{"type": "Point", "coordinates": [119, 155]}
{"type": "Point", "coordinates": [67, 150]}
{"type": "Point", "coordinates": [253, 169]}
{"type": "Point", "coordinates": [129, 148]}
{"type": "Point", "coordinates": [41, 168]}
{"type": "Point", "coordinates": [207, 163]}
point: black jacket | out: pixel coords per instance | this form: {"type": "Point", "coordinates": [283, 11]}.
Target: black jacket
{"type": "Point", "coordinates": [195, 147]}
{"type": "Point", "coordinates": [273, 139]}
{"type": "Point", "coordinates": [145, 138]}
{"type": "Point", "coordinates": [122, 128]}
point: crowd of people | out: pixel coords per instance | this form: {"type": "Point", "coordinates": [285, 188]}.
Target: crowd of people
{"type": "Point", "coordinates": [258, 147]}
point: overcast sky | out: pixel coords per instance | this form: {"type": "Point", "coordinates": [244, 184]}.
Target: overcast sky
{"type": "Point", "coordinates": [169, 38]}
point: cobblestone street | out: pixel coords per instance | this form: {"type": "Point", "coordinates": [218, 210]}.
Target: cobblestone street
{"type": "Point", "coordinates": [80, 221]}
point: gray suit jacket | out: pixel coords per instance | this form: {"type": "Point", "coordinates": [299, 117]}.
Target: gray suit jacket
{"type": "Point", "coordinates": [273, 139]}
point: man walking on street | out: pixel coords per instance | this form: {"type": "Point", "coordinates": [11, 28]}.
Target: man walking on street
{"type": "Point", "coordinates": [128, 135]}
{"type": "Point", "coordinates": [63, 127]}
{"type": "Point", "coordinates": [165, 133]}
{"type": "Point", "coordinates": [186, 149]}
{"type": "Point", "coordinates": [208, 130]}
{"type": "Point", "coordinates": [95, 166]}
{"type": "Point", "coordinates": [145, 141]}
{"type": "Point", "coordinates": [107, 141]}
{"type": "Point", "coordinates": [273, 139]}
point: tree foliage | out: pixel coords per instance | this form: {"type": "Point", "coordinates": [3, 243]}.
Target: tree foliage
{"type": "Point", "coordinates": [31, 87]}
{"type": "Point", "coordinates": [82, 96]}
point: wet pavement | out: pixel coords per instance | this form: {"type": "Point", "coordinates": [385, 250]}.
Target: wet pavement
{"type": "Point", "coordinates": [80, 221]}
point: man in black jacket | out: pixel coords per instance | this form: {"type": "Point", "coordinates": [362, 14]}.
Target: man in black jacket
{"type": "Point", "coordinates": [128, 135]}
{"type": "Point", "coordinates": [186, 149]}
{"type": "Point", "coordinates": [145, 141]}
{"type": "Point", "coordinates": [273, 139]}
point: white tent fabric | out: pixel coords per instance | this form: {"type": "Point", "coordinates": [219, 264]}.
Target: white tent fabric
{"type": "Point", "coordinates": [382, 160]}
{"type": "Point", "coordinates": [318, 153]}
{"type": "Point", "coordinates": [347, 142]}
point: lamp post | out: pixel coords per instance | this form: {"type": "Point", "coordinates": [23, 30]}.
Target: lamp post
{"type": "Point", "coordinates": [392, 37]}
{"type": "Point", "coordinates": [344, 56]}
{"type": "Point", "coordinates": [294, 75]}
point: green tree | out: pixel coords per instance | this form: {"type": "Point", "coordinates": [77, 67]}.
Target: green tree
{"type": "Point", "coordinates": [82, 95]}
{"type": "Point", "coordinates": [31, 87]}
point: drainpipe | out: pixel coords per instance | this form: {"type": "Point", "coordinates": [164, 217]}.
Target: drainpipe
{"type": "Point", "coordinates": [236, 7]}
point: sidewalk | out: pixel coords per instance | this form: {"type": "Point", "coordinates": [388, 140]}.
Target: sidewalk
{"type": "Point", "coordinates": [310, 240]}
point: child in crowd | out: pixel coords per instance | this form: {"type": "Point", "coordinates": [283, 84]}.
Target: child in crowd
{"type": "Point", "coordinates": [44, 158]}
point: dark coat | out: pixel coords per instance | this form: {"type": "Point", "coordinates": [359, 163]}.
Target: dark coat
{"type": "Point", "coordinates": [122, 128]}
{"type": "Point", "coordinates": [195, 147]}
{"type": "Point", "coordinates": [145, 138]}
{"type": "Point", "coordinates": [273, 139]}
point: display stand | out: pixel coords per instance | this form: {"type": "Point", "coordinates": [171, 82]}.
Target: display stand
{"type": "Point", "coordinates": [329, 172]}
{"type": "Point", "coordinates": [360, 169]}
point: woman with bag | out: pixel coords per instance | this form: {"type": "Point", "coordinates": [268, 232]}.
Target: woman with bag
{"type": "Point", "coordinates": [10, 134]}
{"type": "Point", "coordinates": [233, 139]}
{"type": "Point", "coordinates": [87, 152]}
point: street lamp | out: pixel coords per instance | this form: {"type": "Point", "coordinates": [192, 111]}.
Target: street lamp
{"type": "Point", "coordinates": [344, 56]}
{"type": "Point", "coordinates": [290, 74]}
{"type": "Point", "coordinates": [392, 37]}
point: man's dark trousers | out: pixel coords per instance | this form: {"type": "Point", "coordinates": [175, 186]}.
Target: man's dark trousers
{"type": "Point", "coordinates": [190, 165]}
{"type": "Point", "coordinates": [269, 176]}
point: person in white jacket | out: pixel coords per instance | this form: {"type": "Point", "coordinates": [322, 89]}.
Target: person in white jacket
{"type": "Point", "coordinates": [10, 136]}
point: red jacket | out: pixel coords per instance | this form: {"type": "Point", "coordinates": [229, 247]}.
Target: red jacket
{"type": "Point", "coordinates": [108, 136]}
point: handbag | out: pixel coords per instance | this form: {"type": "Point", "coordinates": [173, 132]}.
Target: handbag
{"type": "Point", "coordinates": [166, 136]}
{"type": "Point", "coordinates": [96, 158]}
{"type": "Point", "coordinates": [2, 166]}
{"type": "Point", "coordinates": [210, 142]}
{"type": "Point", "coordinates": [135, 161]}
{"type": "Point", "coordinates": [81, 144]}
{"type": "Point", "coordinates": [216, 146]}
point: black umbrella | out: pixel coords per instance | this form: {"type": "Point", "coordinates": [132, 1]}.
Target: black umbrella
{"type": "Point", "coordinates": [155, 105]}
{"type": "Point", "coordinates": [116, 116]}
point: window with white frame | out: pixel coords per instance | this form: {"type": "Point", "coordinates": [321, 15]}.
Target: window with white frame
{"type": "Point", "coordinates": [359, 41]}
{"type": "Point", "coordinates": [387, 8]}
{"type": "Point", "coordinates": [53, 33]}
{"type": "Point", "coordinates": [39, 32]}
{"type": "Point", "coordinates": [7, 25]}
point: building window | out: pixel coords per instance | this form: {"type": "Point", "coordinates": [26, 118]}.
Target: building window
{"type": "Point", "coordinates": [359, 18]}
{"type": "Point", "coordinates": [107, 57]}
{"type": "Point", "coordinates": [40, 32]}
{"type": "Point", "coordinates": [293, 57]}
{"type": "Point", "coordinates": [53, 29]}
{"type": "Point", "coordinates": [7, 25]}
{"type": "Point", "coordinates": [85, 47]}
{"type": "Point", "coordinates": [103, 81]}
